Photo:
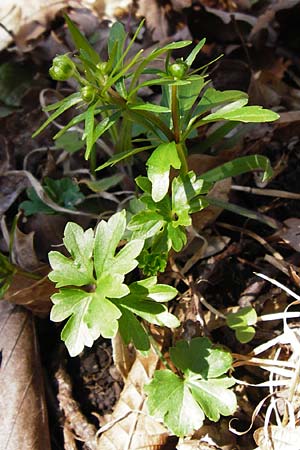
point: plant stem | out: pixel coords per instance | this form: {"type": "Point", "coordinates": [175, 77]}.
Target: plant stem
{"type": "Point", "coordinates": [182, 152]}
{"type": "Point", "coordinates": [175, 114]}
{"type": "Point", "coordinates": [180, 145]}
{"type": "Point", "coordinates": [152, 118]}
{"type": "Point", "coordinates": [93, 161]}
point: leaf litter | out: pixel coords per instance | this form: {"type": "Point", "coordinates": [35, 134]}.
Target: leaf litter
{"type": "Point", "coordinates": [261, 58]}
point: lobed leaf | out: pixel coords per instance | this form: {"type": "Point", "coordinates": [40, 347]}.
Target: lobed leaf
{"type": "Point", "coordinates": [182, 403]}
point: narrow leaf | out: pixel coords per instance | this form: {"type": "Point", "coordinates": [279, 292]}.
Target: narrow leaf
{"type": "Point", "coordinates": [239, 166]}
{"type": "Point", "coordinates": [191, 58]}
{"type": "Point", "coordinates": [68, 102]}
{"type": "Point", "coordinates": [81, 41]}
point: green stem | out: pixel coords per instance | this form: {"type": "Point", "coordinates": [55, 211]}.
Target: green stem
{"type": "Point", "coordinates": [182, 153]}
{"type": "Point", "coordinates": [175, 113]}
{"type": "Point", "coordinates": [180, 145]}
{"type": "Point", "coordinates": [93, 160]}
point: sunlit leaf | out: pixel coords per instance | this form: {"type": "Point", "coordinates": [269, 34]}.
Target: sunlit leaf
{"type": "Point", "coordinates": [159, 164]}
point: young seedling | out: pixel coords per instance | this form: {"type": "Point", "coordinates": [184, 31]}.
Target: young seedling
{"type": "Point", "coordinates": [95, 295]}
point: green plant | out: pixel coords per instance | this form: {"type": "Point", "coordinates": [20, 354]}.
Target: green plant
{"type": "Point", "coordinates": [64, 192]}
{"type": "Point", "coordinates": [94, 293]}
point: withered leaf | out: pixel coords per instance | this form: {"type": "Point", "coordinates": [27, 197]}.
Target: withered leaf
{"type": "Point", "coordinates": [131, 426]}
{"type": "Point", "coordinates": [23, 414]}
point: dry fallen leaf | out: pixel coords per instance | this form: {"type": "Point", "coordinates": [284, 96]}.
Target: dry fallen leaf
{"type": "Point", "coordinates": [130, 427]}
{"type": "Point", "coordinates": [291, 234]}
{"type": "Point", "coordinates": [23, 414]}
{"type": "Point", "coordinates": [278, 438]}
{"type": "Point", "coordinates": [33, 294]}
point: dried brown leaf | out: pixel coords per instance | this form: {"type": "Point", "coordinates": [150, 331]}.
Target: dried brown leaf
{"type": "Point", "coordinates": [291, 234]}
{"type": "Point", "coordinates": [11, 185]}
{"type": "Point", "coordinates": [130, 427]}
{"type": "Point", "coordinates": [23, 414]}
{"type": "Point", "coordinates": [31, 293]}
{"type": "Point", "coordinates": [23, 253]}
{"type": "Point", "coordinates": [278, 438]}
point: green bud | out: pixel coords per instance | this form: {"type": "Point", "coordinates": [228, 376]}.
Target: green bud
{"type": "Point", "coordinates": [88, 93]}
{"type": "Point", "coordinates": [62, 68]}
{"type": "Point", "coordinates": [102, 66]}
{"type": "Point", "coordinates": [178, 69]}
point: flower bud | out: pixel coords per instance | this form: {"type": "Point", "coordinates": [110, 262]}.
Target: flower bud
{"type": "Point", "coordinates": [88, 93]}
{"type": "Point", "coordinates": [178, 69]}
{"type": "Point", "coordinates": [62, 68]}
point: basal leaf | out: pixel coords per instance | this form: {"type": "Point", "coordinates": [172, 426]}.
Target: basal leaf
{"type": "Point", "coordinates": [145, 300]}
{"type": "Point", "coordinates": [125, 261]}
{"type": "Point", "coordinates": [162, 292]}
{"type": "Point", "coordinates": [102, 317]}
{"type": "Point", "coordinates": [107, 237]}
{"type": "Point", "coordinates": [159, 164]}
{"type": "Point", "coordinates": [74, 303]}
{"type": "Point", "coordinates": [214, 397]}
{"type": "Point", "coordinates": [239, 166]}
{"type": "Point", "coordinates": [80, 245]}
{"type": "Point", "coordinates": [171, 401]}
{"type": "Point", "coordinates": [112, 285]}
{"type": "Point", "coordinates": [198, 356]}
{"type": "Point", "coordinates": [182, 403]}
{"type": "Point", "coordinates": [91, 315]}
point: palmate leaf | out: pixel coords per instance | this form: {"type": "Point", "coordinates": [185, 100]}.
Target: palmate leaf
{"type": "Point", "coordinates": [91, 313]}
{"type": "Point", "coordinates": [183, 402]}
